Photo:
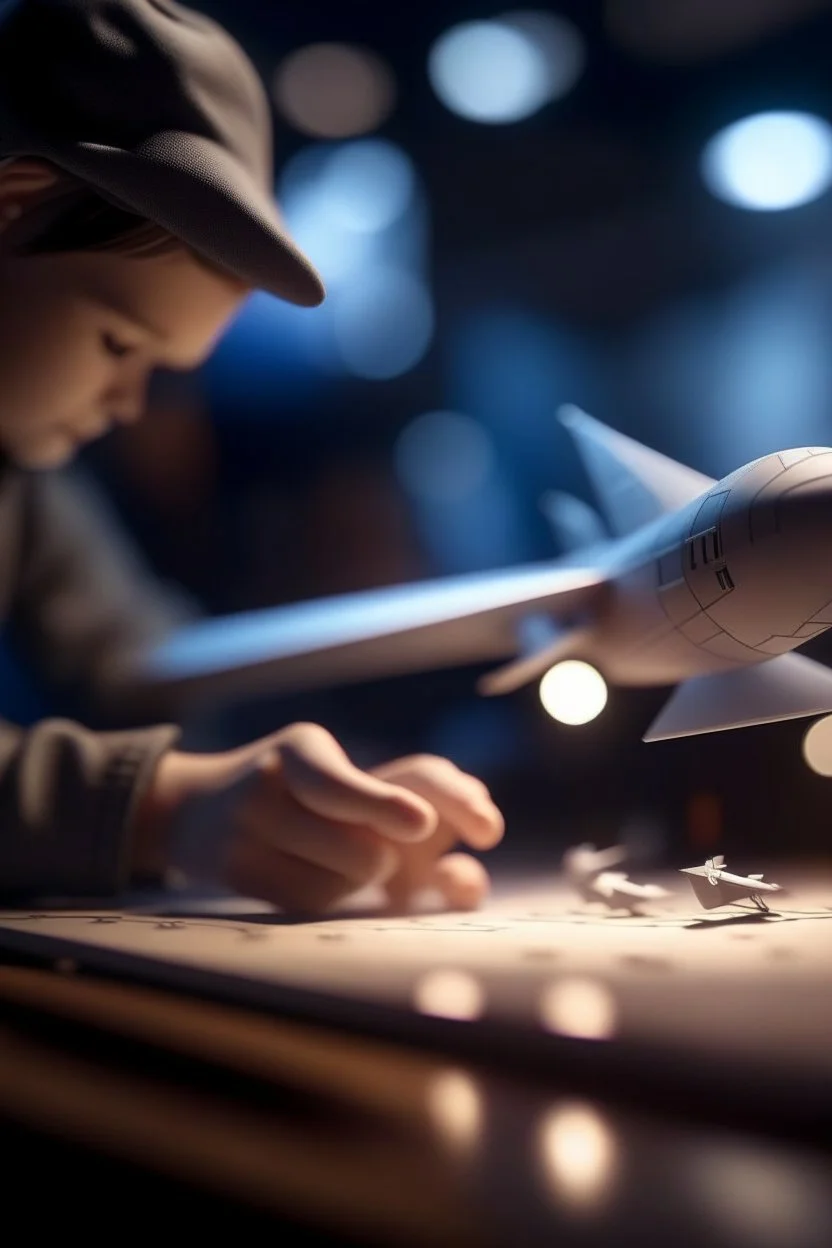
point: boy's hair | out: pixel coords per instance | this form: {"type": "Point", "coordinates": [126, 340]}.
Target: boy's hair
{"type": "Point", "coordinates": [71, 216]}
{"type": "Point", "coordinates": [94, 224]}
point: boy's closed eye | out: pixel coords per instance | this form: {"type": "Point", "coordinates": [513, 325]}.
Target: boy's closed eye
{"type": "Point", "coordinates": [113, 346]}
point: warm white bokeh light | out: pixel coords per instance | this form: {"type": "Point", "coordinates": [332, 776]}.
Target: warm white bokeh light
{"type": "Point", "coordinates": [582, 1008]}
{"type": "Point", "coordinates": [579, 1155]}
{"type": "Point", "coordinates": [334, 90]}
{"type": "Point", "coordinates": [770, 161]}
{"type": "Point", "coordinates": [817, 746]}
{"type": "Point", "coordinates": [573, 692]}
{"type": "Point", "coordinates": [449, 994]}
{"type": "Point", "coordinates": [757, 1199]}
{"type": "Point", "coordinates": [455, 1106]}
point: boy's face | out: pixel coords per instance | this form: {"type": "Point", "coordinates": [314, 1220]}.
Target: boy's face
{"type": "Point", "coordinates": [81, 333]}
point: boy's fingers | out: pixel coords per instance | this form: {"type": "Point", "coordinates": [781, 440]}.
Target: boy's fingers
{"type": "Point", "coordinates": [322, 778]}
{"type": "Point", "coordinates": [462, 880]}
{"type": "Point", "coordinates": [459, 799]}
{"type": "Point", "coordinates": [271, 874]}
{"type": "Point", "coordinates": [354, 852]}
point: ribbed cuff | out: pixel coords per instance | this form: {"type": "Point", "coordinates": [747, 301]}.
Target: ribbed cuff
{"type": "Point", "coordinates": [127, 775]}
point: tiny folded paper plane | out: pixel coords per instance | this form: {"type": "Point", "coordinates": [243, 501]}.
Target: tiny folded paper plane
{"type": "Point", "coordinates": [587, 871]}
{"type": "Point", "coordinates": [714, 886]}
{"type": "Point", "coordinates": [707, 585]}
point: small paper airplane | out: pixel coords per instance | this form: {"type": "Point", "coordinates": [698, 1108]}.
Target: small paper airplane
{"type": "Point", "coordinates": [703, 584]}
{"type": "Point", "coordinates": [586, 869]}
{"type": "Point", "coordinates": [714, 886]}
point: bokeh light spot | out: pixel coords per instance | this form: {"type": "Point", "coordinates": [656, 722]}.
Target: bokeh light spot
{"type": "Point", "coordinates": [383, 323]}
{"type": "Point", "coordinates": [579, 1155]}
{"type": "Point", "coordinates": [581, 1008]}
{"type": "Point", "coordinates": [573, 692]}
{"type": "Point", "coordinates": [817, 746]}
{"type": "Point", "coordinates": [770, 161]}
{"type": "Point", "coordinates": [489, 72]}
{"type": "Point", "coordinates": [334, 90]}
{"type": "Point", "coordinates": [447, 993]}
{"type": "Point", "coordinates": [443, 456]}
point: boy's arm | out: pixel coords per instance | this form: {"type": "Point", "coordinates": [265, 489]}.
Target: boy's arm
{"type": "Point", "coordinates": [69, 800]}
{"type": "Point", "coordinates": [84, 601]}
{"type": "Point", "coordinates": [78, 602]}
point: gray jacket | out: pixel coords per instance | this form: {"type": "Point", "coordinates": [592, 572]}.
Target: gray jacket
{"type": "Point", "coordinates": [75, 602]}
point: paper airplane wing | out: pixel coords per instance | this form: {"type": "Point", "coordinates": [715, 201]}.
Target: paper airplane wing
{"type": "Point", "coordinates": [788, 687]}
{"type": "Point", "coordinates": [634, 483]}
{"type": "Point", "coordinates": [380, 632]}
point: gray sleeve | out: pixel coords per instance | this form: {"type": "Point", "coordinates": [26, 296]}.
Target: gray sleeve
{"type": "Point", "coordinates": [85, 603]}
{"type": "Point", "coordinates": [67, 798]}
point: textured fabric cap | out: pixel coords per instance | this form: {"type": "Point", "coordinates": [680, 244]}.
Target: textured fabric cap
{"type": "Point", "coordinates": [160, 110]}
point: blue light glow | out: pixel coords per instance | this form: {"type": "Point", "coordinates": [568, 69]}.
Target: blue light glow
{"type": "Point", "coordinates": [443, 456]}
{"type": "Point", "coordinates": [739, 376]}
{"type": "Point", "coordinates": [557, 40]}
{"type": "Point", "coordinates": [270, 351]}
{"type": "Point", "coordinates": [368, 185]}
{"type": "Point", "coordinates": [358, 210]}
{"type": "Point", "coordinates": [770, 161]}
{"type": "Point", "coordinates": [336, 249]}
{"type": "Point", "coordinates": [383, 323]}
{"type": "Point", "coordinates": [489, 72]}
{"type": "Point", "coordinates": [342, 200]}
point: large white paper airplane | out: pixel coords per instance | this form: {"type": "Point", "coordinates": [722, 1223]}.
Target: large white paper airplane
{"type": "Point", "coordinates": [707, 585]}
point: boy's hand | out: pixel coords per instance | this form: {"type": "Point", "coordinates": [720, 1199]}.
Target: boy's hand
{"type": "Point", "coordinates": [465, 812]}
{"type": "Point", "coordinates": [291, 820]}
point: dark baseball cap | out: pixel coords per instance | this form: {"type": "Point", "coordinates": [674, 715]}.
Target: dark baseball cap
{"type": "Point", "coordinates": [160, 111]}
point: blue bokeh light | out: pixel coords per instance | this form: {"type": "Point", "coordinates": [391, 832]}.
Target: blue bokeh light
{"type": "Point", "coordinates": [368, 185]}
{"type": "Point", "coordinates": [337, 198]}
{"type": "Point", "coordinates": [737, 376]}
{"type": "Point", "coordinates": [337, 252]}
{"type": "Point", "coordinates": [359, 212]}
{"type": "Point", "coordinates": [770, 161]}
{"type": "Point", "coordinates": [443, 456]}
{"type": "Point", "coordinates": [383, 323]}
{"type": "Point", "coordinates": [557, 40]}
{"type": "Point", "coordinates": [489, 72]}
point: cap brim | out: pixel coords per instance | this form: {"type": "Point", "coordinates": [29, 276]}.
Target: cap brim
{"type": "Point", "coordinates": [197, 190]}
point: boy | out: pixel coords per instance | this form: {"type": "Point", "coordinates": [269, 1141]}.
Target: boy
{"type": "Point", "coordinates": [136, 214]}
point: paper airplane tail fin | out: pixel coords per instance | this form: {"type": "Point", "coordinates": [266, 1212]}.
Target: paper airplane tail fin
{"type": "Point", "coordinates": [788, 687]}
{"type": "Point", "coordinates": [634, 483]}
